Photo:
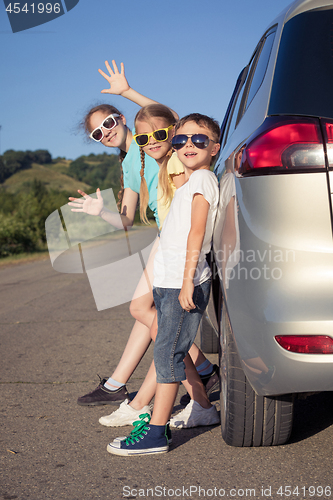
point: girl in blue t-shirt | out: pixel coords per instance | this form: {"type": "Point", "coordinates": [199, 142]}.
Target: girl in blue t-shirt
{"type": "Point", "coordinates": [107, 125]}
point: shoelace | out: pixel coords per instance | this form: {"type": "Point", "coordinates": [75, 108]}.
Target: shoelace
{"type": "Point", "coordinates": [140, 426]}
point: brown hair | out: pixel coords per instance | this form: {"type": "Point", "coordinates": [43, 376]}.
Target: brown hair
{"type": "Point", "coordinates": [104, 108]}
{"type": "Point", "coordinates": [146, 114]}
{"type": "Point", "coordinates": [202, 121]}
{"type": "Point", "coordinates": [108, 110]}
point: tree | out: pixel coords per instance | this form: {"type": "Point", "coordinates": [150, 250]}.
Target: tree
{"type": "Point", "coordinates": [42, 157]}
{"type": "Point", "coordinates": [13, 161]}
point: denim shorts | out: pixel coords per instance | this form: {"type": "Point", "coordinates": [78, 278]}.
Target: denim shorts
{"type": "Point", "coordinates": [177, 329]}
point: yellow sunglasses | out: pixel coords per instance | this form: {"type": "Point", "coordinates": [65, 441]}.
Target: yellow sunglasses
{"type": "Point", "coordinates": [159, 135]}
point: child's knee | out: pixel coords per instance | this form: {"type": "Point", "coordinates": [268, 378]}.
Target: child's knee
{"type": "Point", "coordinates": [135, 310]}
{"type": "Point", "coordinates": [139, 311]}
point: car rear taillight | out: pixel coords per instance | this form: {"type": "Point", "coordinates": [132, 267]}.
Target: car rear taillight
{"type": "Point", "coordinates": [328, 131]}
{"type": "Point", "coordinates": [284, 145]}
{"type": "Point", "coordinates": [306, 344]}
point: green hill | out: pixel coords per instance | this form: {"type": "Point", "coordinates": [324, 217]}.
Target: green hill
{"type": "Point", "coordinates": [51, 176]}
{"type": "Point", "coordinates": [18, 169]}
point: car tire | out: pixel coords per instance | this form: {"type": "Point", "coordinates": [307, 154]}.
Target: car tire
{"type": "Point", "coordinates": [246, 418]}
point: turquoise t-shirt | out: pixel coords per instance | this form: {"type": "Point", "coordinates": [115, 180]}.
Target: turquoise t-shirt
{"type": "Point", "coordinates": [131, 169]}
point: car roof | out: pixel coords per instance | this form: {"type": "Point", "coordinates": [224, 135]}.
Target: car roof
{"type": "Point", "coordinates": [300, 6]}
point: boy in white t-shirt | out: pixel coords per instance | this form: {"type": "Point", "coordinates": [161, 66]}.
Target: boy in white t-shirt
{"type": "Point", "coordinates": [181, 277]}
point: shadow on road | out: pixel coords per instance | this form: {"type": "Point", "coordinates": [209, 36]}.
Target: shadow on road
{"type": "Point", "coordinates": [312, 415]}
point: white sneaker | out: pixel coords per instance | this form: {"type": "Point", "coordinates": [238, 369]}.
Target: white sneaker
{"type": "Point", "coordinates": [125, 415]}
{"type": "Point", "coordinates": [194, 415]}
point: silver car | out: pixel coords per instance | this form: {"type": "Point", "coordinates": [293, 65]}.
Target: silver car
{"type": "Point", "coordinates": [273, 246]}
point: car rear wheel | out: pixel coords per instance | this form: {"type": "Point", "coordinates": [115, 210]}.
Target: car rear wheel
{"type": "Point", "coordinates": [246, 418]}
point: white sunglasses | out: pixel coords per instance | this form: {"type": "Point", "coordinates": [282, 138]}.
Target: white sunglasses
{"type": "Point", "coordinates": [109, 123]}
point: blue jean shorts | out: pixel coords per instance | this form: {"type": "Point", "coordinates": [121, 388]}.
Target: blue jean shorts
{"type": "Point", "coordinates": [177, 329]}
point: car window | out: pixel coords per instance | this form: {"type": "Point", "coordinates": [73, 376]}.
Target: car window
{"type": "Point", "coordinates": [224, 126]}
{"type": "Point", "coordinates": [226, 119]}
{"type": "Point", "coordinates": [303, 76]}
{"type": "Point", "coordinates": [258, 74]}
{"type": "Point", "coordinates": [248, 84]}
{"type": "Point", "coordinates": [234, 105]}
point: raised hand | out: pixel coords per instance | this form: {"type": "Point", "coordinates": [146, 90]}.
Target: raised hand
{"type": "Point", "coordinates": [117, 81]}
{"type": "Point", "coordinates": [87, 205]}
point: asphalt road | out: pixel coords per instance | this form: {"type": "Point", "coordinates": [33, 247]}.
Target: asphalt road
{"type": "Point", "coordinates": [53, 343]}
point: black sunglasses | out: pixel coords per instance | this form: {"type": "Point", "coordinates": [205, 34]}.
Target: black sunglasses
{"type": "Point", "coordinates": [200, 141]}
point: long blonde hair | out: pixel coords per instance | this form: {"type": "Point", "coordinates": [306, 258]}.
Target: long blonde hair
{"type": "Point", "coordinates": [146, 114]}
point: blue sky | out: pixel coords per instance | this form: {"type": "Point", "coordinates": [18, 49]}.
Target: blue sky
{"type": "Point", "coordinates": [186, 54]}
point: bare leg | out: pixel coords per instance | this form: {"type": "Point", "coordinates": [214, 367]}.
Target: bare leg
{"type": "Point", "coordinates": [137, 343]}
{"type": "Point", "coordinates": [147, 390]}
{"type": "Point", "coordinates": [136, 346]}
{"type": "Point", "coordinates": [193, 384]}
{"type": "Point", "coordinates": [164, 401]}
{"type": "Point", "coordinates": [142, 306]}
{"type": "Point", "coordinates": [197, 356]}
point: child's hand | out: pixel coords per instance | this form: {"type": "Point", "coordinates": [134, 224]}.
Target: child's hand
{"type": "Point", "coordinates": [117, 81]}
{"type": "Point", "coordinates": [87, 205]}
{"type": "Point", "coordinates": [186, 295]}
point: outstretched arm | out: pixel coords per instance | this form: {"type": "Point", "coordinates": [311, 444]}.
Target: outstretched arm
{"type": "Point", "coordinates": [119, 86]}
{"type": "Point", "coordinates": [93, 206]}
{"type": "Point", "coordinates": [199, 214]}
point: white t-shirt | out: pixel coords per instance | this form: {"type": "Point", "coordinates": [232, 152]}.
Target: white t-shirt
{"type": "Point", "coordinates": [170, 258]}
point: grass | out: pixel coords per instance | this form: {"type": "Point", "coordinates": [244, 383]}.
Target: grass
{"type": "Point", "coordinates": [60, 166]}
{"type": "Point", "coordinates": [23, 258]}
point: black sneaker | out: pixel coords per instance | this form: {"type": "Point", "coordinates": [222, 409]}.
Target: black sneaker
{"type": "Point", "coordinates": [103, 396]}
{"type": "Point", "coordinates": [210, 382]}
